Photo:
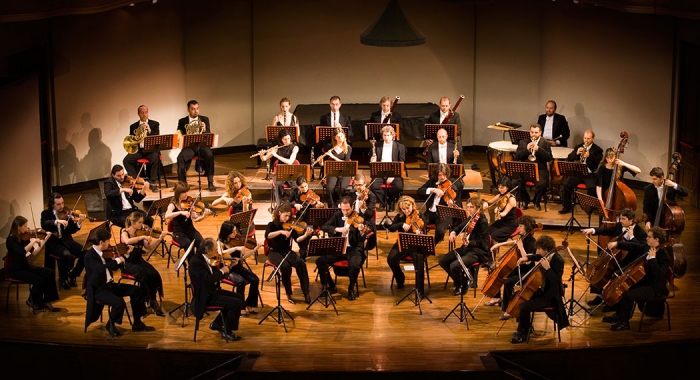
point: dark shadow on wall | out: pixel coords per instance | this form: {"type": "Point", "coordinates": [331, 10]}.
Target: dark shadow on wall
{"type": "Point", "coordinates": [67, 159]}
{"type": "Point", "coordinates": [97, 163]}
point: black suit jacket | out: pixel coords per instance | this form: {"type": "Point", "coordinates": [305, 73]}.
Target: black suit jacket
{"type": "Point", "coordinates": [377, 117]}
{"type": "Point", "coordinates": [186, 120]}
{"type": "Point", "coordinates": [478, 239]}
{"type": "Point", "coordinates": [398, 151]}
{"type": "Point", "coordinates": [343, 119]}
{"type": "Point", "coordinates": [560, 127]}
{"type": "Point", "coordinates": [434, 118]}
{"type": "Point", "coordinates": [651, 199]}
{"type": "Point", "coordinates": [48, 223]}
{"type": "Point", "coordinates": [115, 199]}
{"type": "Point", "coordinates": [656, 269]}
{"type": "Point", "coordinates": [543, 155]}
{"type": "Point", "coordinates": [95, 279]}
{"type": "Point", "coordinates": [434, 155]}
{"type": "Point", "coordinates": [154, 125]}
{"type": "Point", "coordinates": [204, 281]}
{"type": "Point", "coordinates": [355, 239]}
{"type": "Point", "coordinates": [595, 155]}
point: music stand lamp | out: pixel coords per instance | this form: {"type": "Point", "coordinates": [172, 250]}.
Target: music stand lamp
{"type": "Point", "coordinates": [185, 306]}
{"type": "Point", "coordinates": [158, 207]}
{"type": "Point", "coordinates": [593, 203]}
{"type": "Point", "coordinates": [160, 143]}
{"type": "Point", "coordinates": [281, 311]}
{"type": "Point", "coordinates": [572, 169]}
{"type": "Point", "coordinates": [456, 215]}
{"type": "Point", "coordinates": [422, 245]}
{"type": "Point", "coordinates": [576, 268]}
{"type": "Point", "coordinates": [384, 170]}
{"type": "Point", "coordinates": [517, 135]}
{"type": "Point", "coordinates": [197, 142]}
{"type": "Point", "coordinates": [341, 169]}
{"type": "Point", "coordinates": [320, 247]}
{"type": "Point", "coordinates": [466, 279]}
{"type": "Point", "coordinates": [525, 172]}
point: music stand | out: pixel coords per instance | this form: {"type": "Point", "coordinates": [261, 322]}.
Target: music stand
{"type": "Point", "coordinates": [455, 169]}
{"type": "Point", "coordinates": [593, 203]}
{"type": "Point", "coordinates": [455, 214]}
{"type": "Point", "coordinates": [185, 306]}
{"type": "Point", "coordinates": [290, 173]}
{"type": "Point", "coordinates": [244, 220]}
{"type": "Point", "coordinates": [328, 246]}
{"type": "Point", "coordinates": [197, 142]}
{"type": "Point", "coordinates": [281, 311]}
{"type": "Point", "coordinates": [90, 240]}
{"type": "Point", "coordinates": [319, 216]}
{"type": "Point", "coordinates": [158, 207]}
{"type": "Point", "coordinates": [157, 143]}
{"type": "Point", "coordinates": [466, 279]}
{"type": "Point", "coordinates": [420, 245]}
{"type": "Point", "coordinates": [517, 135]}
{"type": "Point", "coordinates": [373, 131]}
{"type": "Point", "coordinates": [272, 132]}
{"type": "Point", "coordinates": [572, 169]}
{"type": "Point", "coordinates": [430, 132]}
{"type": "Point", "coordinates": [326, 133]}
{"type": "Point", "coordinates": [574, 268]}
{"type": "Point", "coordinates": [385, 170]}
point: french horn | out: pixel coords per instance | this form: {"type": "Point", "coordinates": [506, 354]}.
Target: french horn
{"type": "Point", "coordinates": [131, 142]}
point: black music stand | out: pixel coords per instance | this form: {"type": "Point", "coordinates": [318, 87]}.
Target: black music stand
{"type": "Point", "coordinates": [373, 131]}
{"type": "Point", "coordinates": [385, 170]}
{"type": "Point", "coordinates": [288, 173]}
{"type": "Point", "coordinates": [430, 132]}
{"type": "Point", "coordinates": [455, 214]}
{"type": "Point", "coordinates": [466, 279]}
{"type": "Point", "coordinates": [185, 306]}
{"type": "Point", "coordinates": [158, 207]}
{"type": "Point", "coordinates": [572, 169]}
{"type": "Point", "coordinates": [573, 301]}
{"type": "Point", "coordinates": [522, 171]}
{"type": "Point", "coordinates": [319, 216]}
{"type": "Point", "coordinates": [517, 135]}
{"type": "Point", "coordinates": [456, 170]}
{"type": "Point", "coordinates": [591, 203]}
{"type": "Point", "coordinates": [272, 132]}
{"type": "Point", "coordinates": [197, 142]}
{"type": "Point", "coordinates": [244, 220]}
{"type": "Point", "coordinates": [90, 240]}
{"type": "Point", "coordinates": [334, 168]}
{"type": "Point", "coordinates": [281, 311]}
{"type": "Point", "coordinates": [328, 246]}
{"type": "Point", "coordinates": [158, 143]}
{"type": "Point", "coordinates": [421, 245]}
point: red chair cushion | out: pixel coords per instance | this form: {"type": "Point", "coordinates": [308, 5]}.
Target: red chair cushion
{"type": "Point", "coordinates": [581, 186]}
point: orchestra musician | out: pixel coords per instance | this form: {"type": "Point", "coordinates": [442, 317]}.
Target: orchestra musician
{"type": "Point", "coordinates": [342, 225]}
{"type": "Point", "coordinates": [301, 200]}
{"type": "Point", "coordinates": [340, 151]}
{"type": "Point", "coordinates": [475, 247]}
{"type": "Point", "coordinates": [149, 127]}
{"type": "Point", "coordinates": [385, 114]}
{"type": "Point", "coordinates": [526, 231]}
{"type": "Point", "coordinates": [206, 157]}
{"type": "Point", "coordinates": [589, 153]}
{"type": "Point", "coordinates": [541, 149]}
{"type": "Point", "coordinates": [652, 285]}
{"type": "Point", "coordinates": [605, 171]}
{"type": "Point", "coordinates": [285, 118]}
{"type": "Point", "coordinates": [389, 151]}
{"type": "Point", "coordinates": [334, 118]}
{"type": "Point", "coordinates": [446, 152]}
{"type": "Point", "coordinates": [279, 234]}
{"type": "Point", "coordinates": [207, 292]}
{"type": "Point", "coordinates": [364, 202]}
{"type": "Point", "coordinates": [285, 154]}
{"type": "Point", "coordinates": [62, 223]}
{"type": "Point", "coordinates": [147, 275]}
{"type": "Point", "coordinates": [555, 128]}
{"type": "Point", "coordinates": [505, 223]}
{"type": "Point", "coordinates": [626, 229]}
{"type": "Point", "coordinates": [439, 116]}
{"type": "Point", "coordinates": [20, 244]}
{"type": "Point", "coordinates": [240, 274]}
{"type": "Point", "coordinates": [654, 192]}
{"type": "Point", "coordinates": [437, 195]}
{"type": "Point", "coordinates": [101, 289]}
{"type": "Point", "coordinates": [551, 293]}
{"type": "Point", "coordinates": [183, 214]}
{"type": "Point", "coordinates": [237, 195]}
{"type": "Point", "coordinates": [407, 220]}
{"type": "Point", "coordinates": [122, 194]}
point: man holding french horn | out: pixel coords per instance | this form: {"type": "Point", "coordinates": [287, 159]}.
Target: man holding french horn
{"type": "Point", "coordinates": [137, 133]}
{"type": "Point", "coordinates": [539, 151]}
{"type": "Point", "coordinates": [194, 123]}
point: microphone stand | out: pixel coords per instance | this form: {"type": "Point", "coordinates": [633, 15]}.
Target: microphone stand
{"type": "Point", "coordinates": [279, 308]}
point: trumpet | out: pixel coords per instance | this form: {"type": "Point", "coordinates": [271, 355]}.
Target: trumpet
{"type": "Point", "coordinates": [264, 152]}
{"type": "Point", "coordinates": [131, 142]}
{"type": "Point", "coordinates": [532, 157]}
{"type": "Point", "coordinates": [583, 153]}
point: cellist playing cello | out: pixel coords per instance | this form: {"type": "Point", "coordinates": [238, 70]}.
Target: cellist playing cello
{"type": "Point", "coordinates": [653, 284]}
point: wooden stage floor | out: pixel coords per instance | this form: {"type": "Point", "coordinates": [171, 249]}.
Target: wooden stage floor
{"type": "Point", "coordinates": [372, 333]}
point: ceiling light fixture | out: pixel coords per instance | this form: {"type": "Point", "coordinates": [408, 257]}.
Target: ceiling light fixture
{"type": "Point", "coordinates": [392, 29]}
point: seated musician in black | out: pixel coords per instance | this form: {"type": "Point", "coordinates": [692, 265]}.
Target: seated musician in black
{"type": "Point", "coordinates": [604, 174]}
{"type": "Point", "coordinates": [652, 285]}
{"type": "Point", "coordinates": [364, 202]}
{"type": "Point", "coordinates": [388, 151]}
{"type": "Point", "coordinates": [654, 192]}
{"type": "Point", "coordinates": [406, 209]}
{"type": "Point", "coordinates": [438, 194]}
{"type": "Point", "coordinates": [526, 230]}
{"type": "Point", "coordinates": [446, 152]}
{"type": "Point", "coordinates": [122, 198]}
{"type": "Point", "coordinates": [551, 294]}
{"type": "Point", "coordinates": [144, 127]}
{"type": "Point", "coordinates": [541, 149]}
{"type": "Point", "coordinates": [340, 225]}
{"type": "Point", "coordinates": [475, 248]}
{"type": "Point", "coordinates": [62, 223]}
{"type": "Point", "coordinates": [625, 230]}
{"type": "Point", "coordinates": [286, 154]}
{"type": "Point", "coordinates": [301, 200]}
{"type": "Point", "coordinates": [589, 153]}
{"type": "Point", "coordinates": [385, 115]}
{"type": "Point", "coordinates": [505, 223]}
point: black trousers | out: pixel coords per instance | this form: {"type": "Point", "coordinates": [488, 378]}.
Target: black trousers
{"type": "Point", "coordinates": [232, 304]}
{"type": "Point", "coordinates": [355, 258]}
{"type": "Point", "coordinates": [293, 261]}
{"type": "Point", "coordinates": [184, 159]}
{"type": "Point", "coordinates": [112, 294]}
{"type": "Point", "coordinates": [43, 282]}
{"type": "Point", "coordinates": [130, 164]}
{"type": "Point", "coordinates": [65, 258]}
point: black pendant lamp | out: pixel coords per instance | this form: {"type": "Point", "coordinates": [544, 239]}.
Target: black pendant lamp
{"type": "Point", "coordinates": [392, 29]}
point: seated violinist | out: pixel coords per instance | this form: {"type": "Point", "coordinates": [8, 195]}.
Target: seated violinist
{"type": "Point", "coordinates": [279, 233]}
{"type": "Point", "coordinates": [301, 200]}
{"type": "Point", "coordinates": [122, 193]}
{"type": "Point", "coordinates": [505, 224]}
{"type": "Point", "coordinates": [440, 191]}
{"type": "Point", "coordinates": [551, 294]}
{"type": "Point", "coordinates": [364, 202]}
{"type": "Point", "coordinates": [344, 223]}
{"type": "Point", "coordinates": [231, 244]}
{"type": "Point", "coordinates": [475, 245]}
{"type": "Point", "coordinates": [653, 284]}
{"type": "Point", "coordinates": [406, 220]}
{"type": "Point", "coordinates": [625, 230]}
{"type": "Point", "coordinates": [183, 213]}
{"type": "Point", "coordinates": [237, 195]}
{"type": "Point", "coordinates": [526, 230]}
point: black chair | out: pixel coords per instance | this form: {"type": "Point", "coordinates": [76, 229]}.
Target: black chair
{"type": "Point", "coordinates": [664, 299]}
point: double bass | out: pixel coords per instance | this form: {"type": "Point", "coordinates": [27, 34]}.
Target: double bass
{"type": "Point", "coordinates": [618, 195]}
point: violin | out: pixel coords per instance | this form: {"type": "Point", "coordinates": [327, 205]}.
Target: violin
{"type": "Point", "coordinates": [243, 194]}
{"type": "Point", "coordinates": [195, 205]}
{"type": "Point", "coordinates": [68, 214]}
{"type": "Point", "coordinates": [449, 195]}
{"type": "Point", "coordinates": [470, 226]}
{"type": "Point", "coordinates": [415, 222]}
{"type": "Point", "coordinates": [114, 251]}
{"type": "Point", "coordinates": [148, 231]}
{"type": "Point", "coordinates": [131, 182]}
{"type": "Point", "coordinates": [355, 219]}
{"type": "Point", "coordinates": [311, 198]}
{"type": "Point", "coordinates": [296, 225]}
{"type": "Point", "coordinates": [29, 234]}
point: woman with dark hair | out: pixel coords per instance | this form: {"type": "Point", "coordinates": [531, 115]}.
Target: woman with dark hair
{"type": "Point", "coordinates": [239, 273]}
{"type": "Point", "coordinates": [20, 244]}
{"type": "Point", "coordinates": [285, 154]}
{"type": "Point", "coordinates": [183, 217]}
{"type": "Point", "coordinates": [505, 224]}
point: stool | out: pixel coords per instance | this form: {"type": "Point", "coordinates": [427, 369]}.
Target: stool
{"type": "Point", "coordinates": [161, 171]}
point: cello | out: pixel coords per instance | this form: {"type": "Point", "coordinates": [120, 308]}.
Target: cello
{"type": "Point", "coordinates": [602, 269]}
{"type": "Point", "coordinates": [618, 195]}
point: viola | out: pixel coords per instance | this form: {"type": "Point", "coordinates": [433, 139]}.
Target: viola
{"type": "Point", "coordinates": [415, 222]}
{"type": "Point", "coordinates": [131, 182]}
{"type": "Point", "coordinates": [243, 194]}
{"type": "Point", "coordinates": [474, 219]}
{"type": "Point", "coordinates": [67, 214]}
{"type": "Point", "coordinates": [29, 234]}
{"type": "Point", "coordinates": [449, 195]}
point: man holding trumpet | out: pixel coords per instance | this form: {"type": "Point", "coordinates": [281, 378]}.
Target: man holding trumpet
{"type": "Point", "coordinates": [539, 151]}
{"type": "Point", "coordinates": [586, 153]}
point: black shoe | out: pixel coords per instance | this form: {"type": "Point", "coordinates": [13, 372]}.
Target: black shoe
{"type": "Point", "coordinates": [72, 281]}
{"type": "Point", "coordinates": [290, 300]}
{"type": "Point", "coordinates": [351, 295]}
{"type": "Point", "coordinates": [307, 299]}
{"type": "Point", "coordinates": [113, 330]}
{"type": "Point", "coordinates": [611, 319]}
{"type": "Point", "coordinates": [230, 336]}
{"type": "Point", "coordinates": [142, 327]}
{"type": "Point", "coordinates": [212, 187]}
{"type": "Point", "coordinates": [65, 285]}
{"type": "Point", "coordinates": [457, 291]}
{"type": "Point", "coordinates": [153, 186]}
{"type": "Point", "coordinates": [538, 208]}
{"type": "Point", "coordinates": [525, 206]}
{"type": "Point", "coordinates": [332, 290]}
{"type": "Point", "coordinates": [620, 326]}
{"type": "Point", "coordinates": [565, 211]}
{"type": "Point", "coordinates": [595, 301]}
{"type": "Point", "coordinates": [399, 285]}
{"type": "Point", "coordinates": [214, 326]}
{"type": "Point", "coordinates": [48, 307]}
{"type": "Point", "coordinates": [517, 338]}
{"type": "Point", "coordinates": [381, 208]}
{"type": "Point", "coordinates": [608, 308]}
{"type": "Point", "coordinates": [504, 317]}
